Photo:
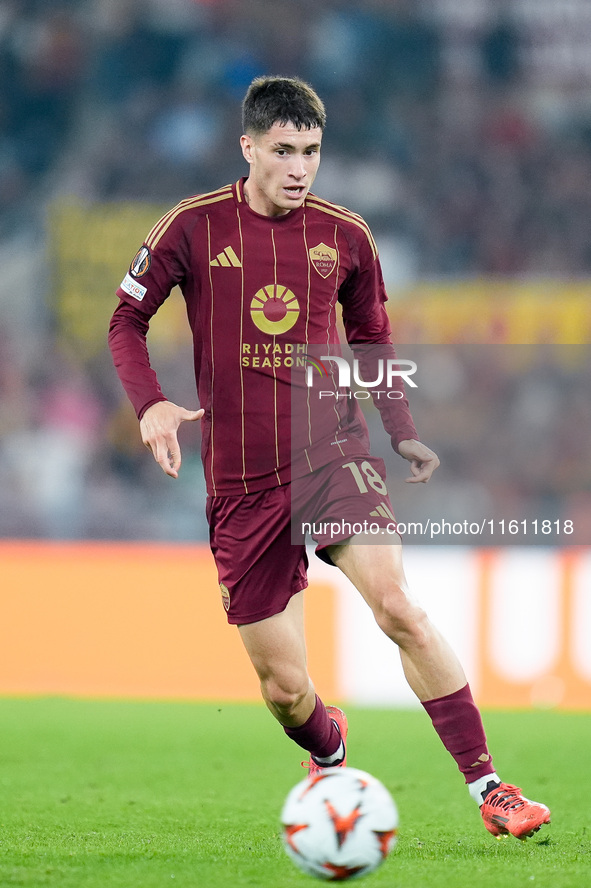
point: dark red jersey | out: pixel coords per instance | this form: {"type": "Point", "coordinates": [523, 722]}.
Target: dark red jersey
{"type": "Point", "coordinates": [259, 291]}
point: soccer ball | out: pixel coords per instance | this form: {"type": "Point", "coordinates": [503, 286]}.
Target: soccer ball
{"type": "Point", "coordinates": [339, 824]}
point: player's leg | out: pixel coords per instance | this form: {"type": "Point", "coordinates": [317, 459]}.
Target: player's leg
{"type": "Point", "coordinates": [277, 649]}
{"type": "Point", "coordinates": [431, 667]}
{"type": "Point", "coordinates": [436, 676]}
{"type": "Point", "coordinates": [262, 575]}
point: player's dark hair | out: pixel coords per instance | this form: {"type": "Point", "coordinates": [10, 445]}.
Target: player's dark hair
{"type": "Point", "coordinates": [284, 100]}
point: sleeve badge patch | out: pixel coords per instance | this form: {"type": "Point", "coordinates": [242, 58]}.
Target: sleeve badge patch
{"type": "Point", "coordinates": [141, 262]}
{"type": "Point", "coordinates": [128, 285]}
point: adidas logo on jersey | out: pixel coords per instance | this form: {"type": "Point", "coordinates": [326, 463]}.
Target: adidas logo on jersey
{"type": "Point", "coordinates": [227, 259]}
{"type": "Point", "coordinates": [382, 511]}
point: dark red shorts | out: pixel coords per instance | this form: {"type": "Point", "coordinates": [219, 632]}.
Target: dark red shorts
{"type": "Point", "coordinates": [342, 499]}
{"type": "Point", "coordinates": [258, 567]}
{"type": "Point", "coordinates": [258, 539]}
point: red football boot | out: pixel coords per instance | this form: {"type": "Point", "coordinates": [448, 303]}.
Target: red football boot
{"type": "Point", "coordinates": [340, 720]}
{"type": "Point", "coordinates": [506, 812]}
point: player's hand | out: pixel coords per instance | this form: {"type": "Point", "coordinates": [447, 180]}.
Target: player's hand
{"type": "Point", "coordinates": [423, 461]}
{"type": "Point", "coordinates": [159, 426]}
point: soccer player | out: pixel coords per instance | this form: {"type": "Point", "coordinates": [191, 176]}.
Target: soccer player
{"type": "Point", "coordinates": [261, 264]}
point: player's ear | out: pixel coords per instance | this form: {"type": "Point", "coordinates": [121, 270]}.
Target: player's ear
{"type": "Point", "coordinates": [247, 144]}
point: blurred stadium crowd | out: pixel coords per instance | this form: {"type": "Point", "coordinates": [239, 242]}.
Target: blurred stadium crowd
{"type": "Point", "coordinates": [462, 132]}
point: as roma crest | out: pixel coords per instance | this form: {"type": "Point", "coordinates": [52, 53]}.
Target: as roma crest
{"type": "Point", "coordinates": [225, 596]}
{"type": "Point", "coordinates": [324, 259]}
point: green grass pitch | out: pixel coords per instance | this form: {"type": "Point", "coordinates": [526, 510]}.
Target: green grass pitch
{"type": "Point", "coordinates": [97, 794]}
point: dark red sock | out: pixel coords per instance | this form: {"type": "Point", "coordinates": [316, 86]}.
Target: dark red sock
{"type": "Point", "coordinates": [457, 720]}
{"type": "Point", "coordinates": [318, 735]}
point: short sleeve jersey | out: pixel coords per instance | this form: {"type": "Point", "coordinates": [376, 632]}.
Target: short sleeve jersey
{"type": "Point", "coordinates": [259, 290]}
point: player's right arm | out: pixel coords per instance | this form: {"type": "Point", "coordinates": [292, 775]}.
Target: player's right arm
{"type": "Point", "coordinates": [155, 270]}
{"type": "Point", "coordinates": [159, 418]}
{"type": "Point", "coordinates": [159, 426]}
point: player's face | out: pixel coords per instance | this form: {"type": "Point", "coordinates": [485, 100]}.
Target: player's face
{"type": "Point", "coordinates": [283, 164]}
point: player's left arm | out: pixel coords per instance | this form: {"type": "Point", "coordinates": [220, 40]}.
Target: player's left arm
{"type": "Point", "coordinates": [367, 327]}
{"type": "Point", "coordinates": [423, 461]}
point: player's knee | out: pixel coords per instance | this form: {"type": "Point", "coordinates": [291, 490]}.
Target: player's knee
{"type": "Point", "coordinates": [402, 620]}
{"type": "Point", "coordinates": [286, 694]}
